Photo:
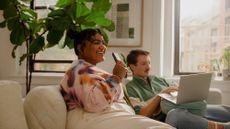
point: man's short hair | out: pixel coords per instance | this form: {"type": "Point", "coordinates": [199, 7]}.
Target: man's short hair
{"type": "Point", "coordinates": [132, 56]}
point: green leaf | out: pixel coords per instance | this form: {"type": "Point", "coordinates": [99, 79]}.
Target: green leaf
{"type": "Point", "coordinates": [54, 36]}
{"type": "Point", "coordinates": [226, 57]}
{"type": "Point", "coordinates": [28, 15]}
{"type": "Point", "coordinates": [27, 1]}
{"type": "Point", "coordinates": [69, 42]}
{"type": "Point", "coordinates": [10, 11]}
{"type": "Point", "coordinates": [12, 22]}
{"type": "Point", "coordinates": [102, 6]}
{"type": "Point", "coordinates": [56, 12]}
{"type": "Point", "coordinates": [89, 24]}
{"type": "Point", "coordinates": [81, 10]}
{"type": "Point", "coordinates": [3, 24]}
{"type": "Point", "coordinates": [23, 3]}
{"type": "Point", "coordinates": [64, 3]}
{"type": "Point", "coordinates": [17, 36]}
{"type": "Point", "coordinates": [110, 27]}
{"type": "Point", "coordinates": [94, 15]}
{"type": "Point", "coordinates": [88, 0]}
{"type": "Point", "coordinates": [22, 58]}
{"type": "Point", "coordinates": [80, 1]}
{"type": "Point", "coordinates": [36, 27]}
{"type": "Point", "coordinates": [4, 4]}
{"type": "Point", "coordinates": [13, 51]}
{"type": "Point", "coordinates": [103, 21]}
{"type": "Point", "coordinates": [37, 45]}
{"type": "Point", "coordinates": [100, 19]}
{"type": "Point", "coordinates": [59, 23]}
{"type": "Point", "coordinates": [70, 11]}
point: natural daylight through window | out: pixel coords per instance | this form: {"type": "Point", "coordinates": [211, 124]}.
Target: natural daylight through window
{"type": "Point", "coordinates": [202, 33]}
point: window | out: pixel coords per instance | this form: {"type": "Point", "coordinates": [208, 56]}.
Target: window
{"type": "Point", "coordinates": [52, 59]}
{"type": "Point", "coordinates": [201, 30]}
{"type": "Point", "coordinates": [227, 4]}
{"type": "Point", "coordinates": [227, 28]}
{"type": "Point", "coordinates": [214, 39]}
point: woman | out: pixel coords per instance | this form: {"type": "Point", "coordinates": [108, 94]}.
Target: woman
{"type": "Point", "coordinates": [94, 98]}
{"type": "Point", "coordinates": [85, 85]}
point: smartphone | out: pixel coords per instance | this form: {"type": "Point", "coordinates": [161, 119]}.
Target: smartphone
{"type": "Point", "coordinates": [116, 57]}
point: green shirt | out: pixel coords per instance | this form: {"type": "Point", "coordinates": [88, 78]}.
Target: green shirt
{"type": "Point", "coordinates": [139, 88]}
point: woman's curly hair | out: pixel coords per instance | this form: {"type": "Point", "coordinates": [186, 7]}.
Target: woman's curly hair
{"type": "Point", "coordinates": [82, 36]}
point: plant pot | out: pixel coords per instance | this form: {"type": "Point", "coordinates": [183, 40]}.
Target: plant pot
{"type": "Point", "coordinates": [226, 74]}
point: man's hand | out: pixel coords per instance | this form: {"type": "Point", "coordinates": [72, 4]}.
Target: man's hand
{"type": "Point", "coordinates": [169, 89]}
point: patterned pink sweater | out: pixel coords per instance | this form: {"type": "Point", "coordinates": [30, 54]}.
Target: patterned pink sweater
{"type": "Point", "coordinates": [89, 87]}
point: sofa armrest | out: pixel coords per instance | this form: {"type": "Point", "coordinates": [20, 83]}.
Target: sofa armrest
{"type": "Point", "coordinates": [11, 107]}
{"type": "Point", "coordinates": [214, 96]}
{"type": "Point", "coordinates": [45, 108]}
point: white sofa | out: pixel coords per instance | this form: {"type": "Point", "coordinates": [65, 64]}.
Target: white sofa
{"type": "Point", "coordinates": [44, 108]}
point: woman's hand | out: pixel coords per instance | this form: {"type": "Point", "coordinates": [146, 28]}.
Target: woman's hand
{"type": "Point", "coordinates": [120, 70]}
{"type": "Point", "coordinates": [169, 89]}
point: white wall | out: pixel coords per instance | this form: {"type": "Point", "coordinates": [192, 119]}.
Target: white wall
{"type": "Point", "coordinates": [151, 37]}
{"type": "Point", "coordinates": [9, 66]}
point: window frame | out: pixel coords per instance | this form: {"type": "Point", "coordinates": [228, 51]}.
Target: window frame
{"type": "Point", "coordinates": [177, 41]}
{"type": "Point", "coordinates": [33, 60]}
{"type": "Point", "coordinates": [51, 62]}
{"type": "Point", "coordinates": [227, 29]}
{"type": "Point", "coordinates": [227, 6]}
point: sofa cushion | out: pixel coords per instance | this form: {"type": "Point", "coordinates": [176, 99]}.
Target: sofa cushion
{"type": "Point", "coordinates": [214, 96]}
{"type": "Point", "coordinates": [118, 116]}
{"type": "Point", "coordinates": [11, 106]}
{"type": "Point", "coordinates": [45, 108]}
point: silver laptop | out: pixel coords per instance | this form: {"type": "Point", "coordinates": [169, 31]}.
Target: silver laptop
{"type": "Point", "coordinates": [191, 88]}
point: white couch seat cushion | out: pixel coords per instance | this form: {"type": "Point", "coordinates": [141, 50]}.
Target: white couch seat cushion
{"type": "Point", "coordinates": [114, 118]}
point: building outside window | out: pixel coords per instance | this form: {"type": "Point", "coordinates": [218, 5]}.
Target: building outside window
{"type": "Point", "coordinates": [202, 34]}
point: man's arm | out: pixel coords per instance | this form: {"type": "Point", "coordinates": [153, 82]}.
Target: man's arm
{"type": "Point", "coordinates": [152, 107]}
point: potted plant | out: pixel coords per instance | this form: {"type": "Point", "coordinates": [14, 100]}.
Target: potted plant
{"type": "Point", "coordinates": [226, 63]}
{"type": "Point", "coordinates": [27, 30]}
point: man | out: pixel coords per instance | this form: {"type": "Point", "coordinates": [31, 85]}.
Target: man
{"type": "Point", "coordinates": [143, 90]}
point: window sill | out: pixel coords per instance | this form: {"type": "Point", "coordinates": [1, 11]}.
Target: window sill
{"type": "Point", "coordinates": [217, 79]}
